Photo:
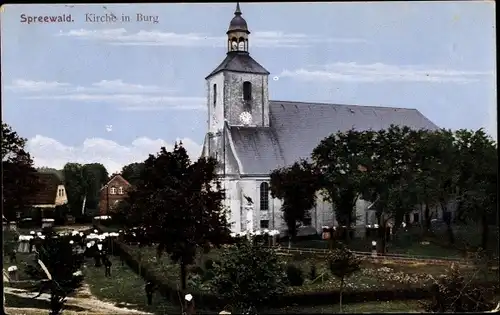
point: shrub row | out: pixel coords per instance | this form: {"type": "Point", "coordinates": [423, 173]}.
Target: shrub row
{"type": "Point", "coordinates": [211, 301]}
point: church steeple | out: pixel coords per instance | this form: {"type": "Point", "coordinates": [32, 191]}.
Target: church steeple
{"type": "Point", "coordinates": [237, 34]}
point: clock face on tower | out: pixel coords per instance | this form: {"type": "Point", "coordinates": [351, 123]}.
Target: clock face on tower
{"type": "Point", "coordinates": [246, 118]}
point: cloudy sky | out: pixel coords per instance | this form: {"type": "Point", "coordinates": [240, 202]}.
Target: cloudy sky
{"type": "Point", "coordinates": [113, 92]}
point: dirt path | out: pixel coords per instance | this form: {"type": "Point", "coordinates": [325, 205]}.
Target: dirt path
{"type": "Point", "coordinates": [84, 299]}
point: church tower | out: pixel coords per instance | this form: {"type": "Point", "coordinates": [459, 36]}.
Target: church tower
{"type": "Point", "coordinates": [237, 90]}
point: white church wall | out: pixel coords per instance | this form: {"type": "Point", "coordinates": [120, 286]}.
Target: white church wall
{"type": "Point", "coordinates": [324, 213]}
{"type": "Point", "coordinates": [215, 109]}
{"type": "Point", "coordinates": [233, 204]}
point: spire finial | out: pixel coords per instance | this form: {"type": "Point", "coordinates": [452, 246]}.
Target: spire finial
{"type": "Point", "coordinates": [238, 11]}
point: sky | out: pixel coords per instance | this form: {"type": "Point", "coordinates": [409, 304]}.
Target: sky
{"type": "Point", "coordinates": [113, 92]}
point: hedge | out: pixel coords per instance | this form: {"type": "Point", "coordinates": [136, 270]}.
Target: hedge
{"type": "Point", "coordinates": [211, 301]}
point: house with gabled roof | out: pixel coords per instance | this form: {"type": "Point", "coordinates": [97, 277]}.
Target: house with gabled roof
{"type": "Point", "coordinates": [51, 194]}
{"type": "Point", "coordinates": [112, 193]}
{"type": "Point", "coordinates": [251, 135]}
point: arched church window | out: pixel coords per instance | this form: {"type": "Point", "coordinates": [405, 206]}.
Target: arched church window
{"type": "Point", "coordinates": [247, 91]}
{"type": "Point", "coordinates": [234, 44]}
{"type": "Point", "coordinates": [264, 196]}
{"type": "Point", "coordinates": [215, 94]}
{"type": "Point", "coordinates": [241, 44]}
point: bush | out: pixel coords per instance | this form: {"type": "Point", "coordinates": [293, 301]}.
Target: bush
{"type": "Point", "coordinates": [294, 275]}
{"type": "Point", "coordinates": [249, 276]}
{"type": "Point", "coordinates": [209, 264]}
{"type": "Point", "coordinates": [313, 273]}
{"type": "Point", "coordinates": [209, 275]}
{"type": "Point", "coordinates": [196, 270]}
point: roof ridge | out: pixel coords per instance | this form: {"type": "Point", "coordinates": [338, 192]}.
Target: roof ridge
{"type": "Point", "coordinates": [336, 104]}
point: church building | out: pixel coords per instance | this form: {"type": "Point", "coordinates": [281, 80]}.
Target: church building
{"type": "Point", "coordinates": [251, 135]}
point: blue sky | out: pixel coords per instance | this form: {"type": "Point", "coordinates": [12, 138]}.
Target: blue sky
{"type": "Point", "coordinates": [115, 92]}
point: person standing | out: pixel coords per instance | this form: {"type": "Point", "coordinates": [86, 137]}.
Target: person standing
{"type": "Point", "coordinates": [13, 256]}
{"type": "Point", "coordinates": [149, 287]}
{"type": "Point", "coordinates": [189, 304]}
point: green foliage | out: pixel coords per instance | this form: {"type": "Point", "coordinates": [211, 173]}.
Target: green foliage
{"type": "Point", "coordinates": [294, 275]}
{"type": "Point", "coordinates": [296, 186]}
{"type": "Point", "coordinates": [343, 263]}
{"type": "Point", "coordinates": [18, 174]}
{"type": "Point", "coordinates": [57, 255]}
{"type": "Point", "coordinates": [83, 181]}
{"type": "Point", "coordinates": [313, 272]}
{"type": "Point", "coordinates": [96, 176]}
{"type": "Point", "coordinates": [181, 203]}
{"type": "Point", "coordinates": [248, 276]}
{"type": "Point", "coordinates": [209, 264]}
{"type": "Point", "coordinates": [340, 158]}
{"type": "Point", "coordinates": [454, 293]}
{"type": "Point", "coordinates": [132, 173]}
{"type": "Point", "coordinates": [479, 166]}
{"type": "Point", "coordinates": [197, 270]}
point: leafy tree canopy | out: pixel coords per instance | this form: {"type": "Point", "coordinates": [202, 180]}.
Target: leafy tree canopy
{"type": "Point", "coordinates": [249, 276]}
{"type": "Point", "coordinates": [19, 176]}
{"type": "Point", "coordinates": [296, 186]}
{"type": "Point", "coordinates": [181, 203]}
{"type": "Point", "coordinates": [84, 181]}
{"type": "Point", "coordinates": [342, 158]}
{"type": "Point", "coordinates": [132, 173]}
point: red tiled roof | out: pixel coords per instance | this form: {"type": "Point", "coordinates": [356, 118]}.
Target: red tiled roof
{"type": "Point", "coordinates": [47, 193]}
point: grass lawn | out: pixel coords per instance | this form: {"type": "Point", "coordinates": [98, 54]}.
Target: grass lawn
{"type": "Point", "coordinates": [369, 278]}
{"type": "Point", "coordinates": [367, 307]}
{"type": "Point", "coordinates": [124, 288]}
{"type": "Point", "coordinates": [414, 248]}
{"type": "Point", "coordinates": [372, 275]}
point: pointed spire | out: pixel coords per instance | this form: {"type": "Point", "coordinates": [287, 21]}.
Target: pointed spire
{"type": "Point", "coordinates": [238, 11]}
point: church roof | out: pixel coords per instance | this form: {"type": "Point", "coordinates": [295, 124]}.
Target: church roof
{"type": "Point", "coordinates": [239, 62]}
{"type": "Point", "coordinates": [296, 128]}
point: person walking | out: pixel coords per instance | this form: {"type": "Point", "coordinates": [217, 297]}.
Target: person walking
{"type": "Point", "coordinates": [107, 267]}
{"type": "Point", "coordinates": [149, 287]}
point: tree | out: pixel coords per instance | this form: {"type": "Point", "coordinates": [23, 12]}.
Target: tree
{"type": "Point", "coordinates": [249, 276]}
{"type": "Point", "coordinates": [453, 293]}
{"type": "Point", "coordinates": [62, 263]}
{"type": "Point", "coordinates": [83, 182]}
{"type": "Point", "coordinates": [342, 264]}
{"type": "Point", "coordinates": [296, 186]}
{"type": "Point", "coordinates": [478, 179]}
{"type": "Point", "coordinates": [181, 203]}
{"type": "Point", "coordinates": [19, 175]}
{"type": "Point", "coordinates": [390, 176]}
{"type": "Point", "coordinates": [341, 158]}
{"type": "Point", "coordinates": [132, 172]}
{"type": "Point", "coordinates": [73, 182]}
{"type": "Point", "coordinates": [96, 177]}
